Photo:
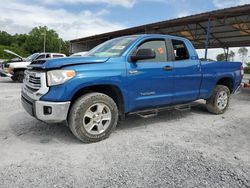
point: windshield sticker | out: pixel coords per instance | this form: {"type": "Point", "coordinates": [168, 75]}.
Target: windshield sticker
{"type": "Point", "coordinates": [160, 50]}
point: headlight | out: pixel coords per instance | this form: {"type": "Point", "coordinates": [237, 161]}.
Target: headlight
{"type": "Point", "coordinates": [56, 77]}
{"type": "Point", "coordinates": [9, 70]}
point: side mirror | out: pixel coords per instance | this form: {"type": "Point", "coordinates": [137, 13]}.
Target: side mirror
{"type": "Point", "coordinates": [141, 54]}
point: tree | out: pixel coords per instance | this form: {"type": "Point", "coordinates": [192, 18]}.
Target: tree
{"type": "Point", "coordinates": [243, 54]}
{"type": "Point", "coordinates": [4, 55]}
{"type": "Point", "coordinates": [247, 68]}
{"type": "Point", "coordinates": [25, 44]}
{"type": "Point", "coordinates": [35, 40]}
{"type": "Point", "coordinates": [64, 48]}
{"type": "Point", "coordinates": [5, 38]}
{"type": "Point", "coordinates": [19, 40]}
{"type": "Point", "coordinates": [231, 55]}
{"type": "Point", "coordinates": [221, 57]}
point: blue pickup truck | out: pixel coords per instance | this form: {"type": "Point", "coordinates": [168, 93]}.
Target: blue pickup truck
{"type": "Point", "coordinates": [139, 74]}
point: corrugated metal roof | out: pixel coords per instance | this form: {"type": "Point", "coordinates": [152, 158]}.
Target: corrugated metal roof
{"type": "Point", "coordinates": [230, 27]}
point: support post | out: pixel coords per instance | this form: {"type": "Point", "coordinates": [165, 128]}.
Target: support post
{"type": "Point", "coordinates": [226, 51]}
{"type": "Point", "coordinates": [207, 36]}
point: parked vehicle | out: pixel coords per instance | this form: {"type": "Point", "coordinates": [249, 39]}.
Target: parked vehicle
{"type": "Point", "coordinates": [15, 70]}
{"type": "Point", "coordinates": [139, 74]}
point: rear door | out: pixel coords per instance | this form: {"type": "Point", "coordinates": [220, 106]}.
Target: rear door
{"type": "Point", "coordinates": [186, 72]}
{"type": "Point", "coordinates": [150, 82]}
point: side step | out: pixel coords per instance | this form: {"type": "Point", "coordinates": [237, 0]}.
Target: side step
{"type": "Point", "coordinates": [154, 112]}
{"type": "Point", "coordinates": [148, 114]}
{"type": "Point", "coordinates": [183, 108]}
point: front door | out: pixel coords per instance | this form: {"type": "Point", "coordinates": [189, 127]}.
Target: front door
{"type": "Point", "coordinates": [150, 82]}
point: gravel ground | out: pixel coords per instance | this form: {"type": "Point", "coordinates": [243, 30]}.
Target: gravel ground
{"type": "Point", "coordinates": [174, 149]}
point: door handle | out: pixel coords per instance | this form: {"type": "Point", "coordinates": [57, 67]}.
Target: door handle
{"type": "Point", "coordinates": [133, 71]}
{"type": "Point", "coordinates": [168, 68]}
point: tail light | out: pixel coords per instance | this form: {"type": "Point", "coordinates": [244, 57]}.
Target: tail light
{"type": "Point", "coordinates": [241, 71]}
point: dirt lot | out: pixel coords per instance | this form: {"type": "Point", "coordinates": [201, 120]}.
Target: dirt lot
{"type": "Point", "coordinates": [174, 149]}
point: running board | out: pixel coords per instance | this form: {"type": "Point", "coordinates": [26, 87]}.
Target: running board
{"type": "Point", "coordinates": [148, 114]}
{"type": "Point", "coordinates": [183, 107]}
{"type": "Point", "coordinates": [154, 112]}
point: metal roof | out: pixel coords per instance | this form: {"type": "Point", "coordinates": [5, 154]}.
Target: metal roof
{"type": "Point", "coordinates": [229, 27]}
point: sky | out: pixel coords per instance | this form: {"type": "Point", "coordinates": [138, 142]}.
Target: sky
{"type": "Point", "coordinates": [80, 18]}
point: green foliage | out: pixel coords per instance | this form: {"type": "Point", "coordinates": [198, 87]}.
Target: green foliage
{"type": "Point", "coordinates": [243, 53]}
{"type": "Point", "coordinates": [64, 47]}
{"type": "Point", "coordinates": [5, 38]}
{"type": "Point", "coordinates": [4, 55]}
{"type": "Point", "coordinates": [25, 44]}
{"type": "Point", "coordinates": [231, 55]}
{"type": "Point", "coordinates": [247, 68]}
{"type": "Point", "coordinates": [35, 41]}
{"type": "Point", "coordinates": [221, 57]}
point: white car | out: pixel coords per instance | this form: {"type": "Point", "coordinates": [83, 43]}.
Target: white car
{"type": "Point", "coordinates": [15, 70]}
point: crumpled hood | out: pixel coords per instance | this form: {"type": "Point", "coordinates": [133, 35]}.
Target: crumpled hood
{"type": "Point", "coordinates": [13, 53]}
{"type": "Point", "coordinates": [66, 61]}
{"type": "Point", "coordinates": [22, 64]}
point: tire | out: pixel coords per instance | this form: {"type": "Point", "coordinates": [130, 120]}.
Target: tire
{"type": "Point", "coordinates": [19, 76]}
{"type": "Point", "coordinates": [93, 117]}
{"type": "Point", "coordinates": [13, 78]}
{"type": "Point", "coordinates": [219, 101]}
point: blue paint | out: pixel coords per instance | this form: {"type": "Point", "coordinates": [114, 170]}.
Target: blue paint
{"type": "Point", "coordinates": [151, 86]}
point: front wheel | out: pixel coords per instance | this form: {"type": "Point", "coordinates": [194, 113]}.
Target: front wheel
{"type": "Point", "coordinates": [18, 76]}
{"type": "Point", "coordinates": [219, 101]}
{"type": "Point", "coordinates": [93, 117]}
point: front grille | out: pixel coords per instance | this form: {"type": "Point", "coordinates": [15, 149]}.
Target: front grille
{"type": "Point", "coordinates": [32, 81]}
{"type": "Point", "coordinates": [34, 85]}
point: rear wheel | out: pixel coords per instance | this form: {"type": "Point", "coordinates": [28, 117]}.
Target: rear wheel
{"type": "Point", "coordinates": [219, 101]}
{"type": "Point", "coordinates": [18, 76]}
{"type": "Point", "coordinates": [93, 117]}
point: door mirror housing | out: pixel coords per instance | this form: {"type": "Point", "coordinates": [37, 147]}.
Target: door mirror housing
{"type": "Point", "coordinates": [141, 54]}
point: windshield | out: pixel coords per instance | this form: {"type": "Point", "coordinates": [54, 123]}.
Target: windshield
{"type": "Point", "coordinates": [112, 48]}
{"type": "Point", "coordinates": [32, 57]}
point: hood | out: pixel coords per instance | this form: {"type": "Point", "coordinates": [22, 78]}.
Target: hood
{"type": "Point", "coordinates": [66, 61]}
{"type": "Point", "coordinates": [22, 64]}
{"type": "Point", "coordinates": [13, 53]}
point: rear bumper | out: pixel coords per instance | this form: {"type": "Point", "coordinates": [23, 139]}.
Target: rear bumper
{"type": "Point", "coordinates": [49, 112]}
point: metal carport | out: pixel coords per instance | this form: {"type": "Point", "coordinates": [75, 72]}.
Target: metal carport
{"type": "Point", "coordinates": [222, 28]}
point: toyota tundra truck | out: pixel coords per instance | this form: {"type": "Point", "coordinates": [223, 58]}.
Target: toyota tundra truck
{"type": "Point", "coordinates": [137, 74]}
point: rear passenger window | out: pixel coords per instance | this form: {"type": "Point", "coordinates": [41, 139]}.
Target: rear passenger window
{"type": "Point", "coordinates": [180, 50]}
{"type": "Point", "coordinates": [159, 46]}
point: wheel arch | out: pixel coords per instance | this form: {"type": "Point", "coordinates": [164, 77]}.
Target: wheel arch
{"type": "Point", "coordinates": [226, 81]}
{"type": "Point", "coordinates": [112, 91]}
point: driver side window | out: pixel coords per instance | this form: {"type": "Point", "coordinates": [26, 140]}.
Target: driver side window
{"type": "Point", "coordinates": [159, 46]}
{"type": "Point", "coordinates": [40, 57]}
